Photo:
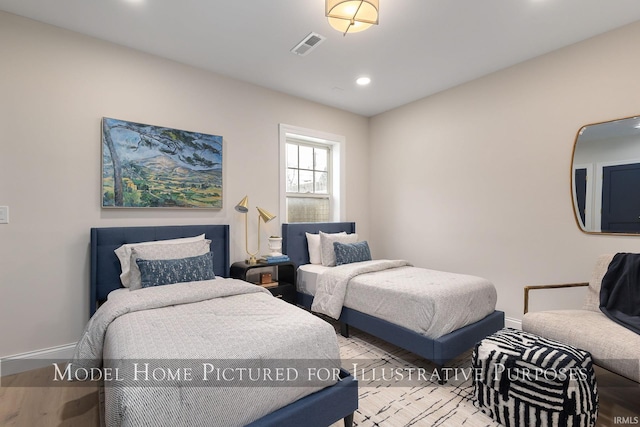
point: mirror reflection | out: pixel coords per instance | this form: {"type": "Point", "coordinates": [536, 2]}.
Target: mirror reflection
{"type": "Point", "coordinates": [605, 177]}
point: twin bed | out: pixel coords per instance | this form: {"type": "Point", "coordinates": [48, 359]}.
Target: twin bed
{"type": "Point", "coordinates": [460, 312]}
{"type": "Point", "coordinates": [217, 351]}
{"type": "Point", "coordinates": [237, 326]}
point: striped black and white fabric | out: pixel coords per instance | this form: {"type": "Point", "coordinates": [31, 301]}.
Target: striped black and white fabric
{"type": "Point", "coordinates": [521, 379]}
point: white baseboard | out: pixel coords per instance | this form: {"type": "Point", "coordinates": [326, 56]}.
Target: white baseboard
{"type": "Point", "coordinates": [510, 322]}
{"type": "Point", "coordinates": [22, 362]}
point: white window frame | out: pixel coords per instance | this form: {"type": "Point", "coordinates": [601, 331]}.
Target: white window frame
{"type": "Point", "coordinates": [336, 180]}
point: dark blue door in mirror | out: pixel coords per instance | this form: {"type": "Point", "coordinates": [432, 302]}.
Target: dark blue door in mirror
{"type": "Point", "coordinates": [580, 179]}
{"type": "Point", "coordinates": [621, 199]}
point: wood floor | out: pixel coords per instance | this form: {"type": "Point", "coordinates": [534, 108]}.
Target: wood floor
{"type": "Point", "coordinates": [619, 400]}
{"type": "Point", "coordinates": [23, 405]}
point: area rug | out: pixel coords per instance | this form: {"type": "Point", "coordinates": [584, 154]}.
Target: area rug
{"type": "Point", "coordinates": [397, 388]}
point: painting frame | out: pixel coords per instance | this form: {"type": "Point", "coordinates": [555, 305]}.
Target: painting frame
{"type": "Point", "coordinates": [154, 167]}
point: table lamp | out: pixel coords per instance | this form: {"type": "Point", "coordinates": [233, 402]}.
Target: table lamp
{"type": "Point", "coordinates": [243, 207]}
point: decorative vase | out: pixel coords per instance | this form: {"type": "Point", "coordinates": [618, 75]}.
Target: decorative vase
{"type": "Point", "coordinates": [275, 246]}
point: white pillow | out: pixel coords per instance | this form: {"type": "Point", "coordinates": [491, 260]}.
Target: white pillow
{"type": "Point", "coordinates": [313, 241]}
{"type": "Point", "coordinates": [162, 252]}
{"type": "Point", "coordinates": [124, 253]}
{"type": "Point", "coordinates": [327, 252]}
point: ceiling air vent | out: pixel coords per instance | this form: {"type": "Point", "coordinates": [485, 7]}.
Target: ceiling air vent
{"type": "Point", "coordinates": [308, 44]}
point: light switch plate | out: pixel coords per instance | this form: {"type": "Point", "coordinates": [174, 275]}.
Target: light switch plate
{"type": "Point", "coordinates": [4, 214]}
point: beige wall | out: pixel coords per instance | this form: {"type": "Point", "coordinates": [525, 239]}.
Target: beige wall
{"type": "Point", "coordinates": [55, 86]}
{"type": "Point", "coordinates": [473, 180]}
{"type": "Point", "coordinates": [476, 179]}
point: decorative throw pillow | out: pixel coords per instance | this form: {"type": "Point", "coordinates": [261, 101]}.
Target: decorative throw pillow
{"type": "Point", "coordinates": [347, 253]}
{"type": "Point", "coordinates": [313, 242]}
{"type": "Point", "coordinates": [157, 252]}
{"type": "Point", "coordinates": [124, 253]}
{"type": "Point", "coordinates": [327, 251]}
{"type": "Point", "coordinates": [168, 271]}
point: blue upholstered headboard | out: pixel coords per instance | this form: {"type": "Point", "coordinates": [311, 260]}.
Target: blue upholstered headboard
{"type": "Point", "coordinates": [105, 267]}
{"type": "Point", "coordinates": [294, 239]}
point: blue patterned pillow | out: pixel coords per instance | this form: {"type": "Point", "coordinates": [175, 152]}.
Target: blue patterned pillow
{"type": "Point", "coordinates": [346, 253]}
{"type": "Point", "coordinates": [168, 271]}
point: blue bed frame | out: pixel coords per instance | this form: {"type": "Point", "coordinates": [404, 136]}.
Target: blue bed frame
{"type": "Point", "coordinates": [105, 267]}
{"type": "Point", "coordinates": [440, 350]}
{"type": "Point", "coordinates": [319, 409]}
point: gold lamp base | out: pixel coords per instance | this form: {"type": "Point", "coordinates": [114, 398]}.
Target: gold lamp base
{"type": "Point", "coordinates": [252, 260]}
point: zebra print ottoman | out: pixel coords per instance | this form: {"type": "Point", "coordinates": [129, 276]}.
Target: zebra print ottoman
{"type": "Point", "coordinates": [521, 379]}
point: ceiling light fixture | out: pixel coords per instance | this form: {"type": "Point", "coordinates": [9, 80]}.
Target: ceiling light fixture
{"type": "Point", "coordinates": [363, 81]}
{"type": "Point", "coordinates": [351, 16]}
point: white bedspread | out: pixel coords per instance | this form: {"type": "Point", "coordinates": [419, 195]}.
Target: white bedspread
{"type": "Point", "coordinates": [429, 302]}
{"type": "Point", "coordinates": [225, 322]}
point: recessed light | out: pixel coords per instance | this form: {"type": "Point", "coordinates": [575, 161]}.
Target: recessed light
{"type": "Point", "coordinates": [363, 81]}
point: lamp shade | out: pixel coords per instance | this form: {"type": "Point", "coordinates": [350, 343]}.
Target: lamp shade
{"type": "Point", "coordinates": [243, 205]}
{"type": "Point", "coordinates": [266, 216]}
{"type": "Point", "coordinates": [351, 16]}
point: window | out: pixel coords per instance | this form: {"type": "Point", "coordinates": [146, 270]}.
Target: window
{"type": "Point", "coordinates": [307, 188]}
{"type": "Point", "coordinates": [310, 175]}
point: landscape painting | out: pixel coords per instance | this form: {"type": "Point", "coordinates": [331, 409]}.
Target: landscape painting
{"type": "Point", "coordinates": [145, 166]}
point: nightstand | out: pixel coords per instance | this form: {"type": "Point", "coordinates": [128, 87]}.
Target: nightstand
{"type": "Point", "coordinates": [284, 273]}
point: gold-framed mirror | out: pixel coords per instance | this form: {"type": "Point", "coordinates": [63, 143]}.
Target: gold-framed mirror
{"type": "Point", "coordinates": [605, 177]}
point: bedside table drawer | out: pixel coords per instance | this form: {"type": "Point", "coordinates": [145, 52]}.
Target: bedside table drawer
{"type": "Point", "coordinates": [285, 291]}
